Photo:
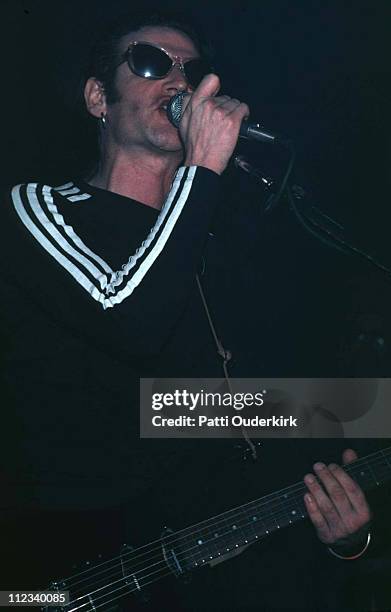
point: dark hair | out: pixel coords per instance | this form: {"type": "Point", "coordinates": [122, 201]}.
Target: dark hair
{"type": "Point", "coordinates": [105, 53]}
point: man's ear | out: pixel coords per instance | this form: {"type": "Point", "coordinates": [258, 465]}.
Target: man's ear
{"type": "Point", "coordinates": [95, 98]}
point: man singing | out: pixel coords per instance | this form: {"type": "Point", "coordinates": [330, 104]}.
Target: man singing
{"type": "Point", "coordinates": [100, 289]}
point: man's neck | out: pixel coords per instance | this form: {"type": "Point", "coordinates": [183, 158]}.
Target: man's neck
{"type": "Point", "coordinates": [138, 175]}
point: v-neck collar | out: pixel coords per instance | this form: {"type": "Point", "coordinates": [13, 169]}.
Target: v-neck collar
{"type": "Point", "coordinates": [36, 206]}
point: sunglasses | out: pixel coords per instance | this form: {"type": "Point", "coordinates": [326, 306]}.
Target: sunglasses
{"type": "Point", "coordinates": [152, 62]}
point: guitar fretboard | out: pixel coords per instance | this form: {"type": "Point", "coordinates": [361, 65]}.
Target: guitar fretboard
{"type": "Point", "coordinates": [260, 518]}
{"type": "Point", "coordinates": [99, 587]}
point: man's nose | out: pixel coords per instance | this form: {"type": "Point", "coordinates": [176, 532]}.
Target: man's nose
{"type": "Point", "coordinates": [176, 80]}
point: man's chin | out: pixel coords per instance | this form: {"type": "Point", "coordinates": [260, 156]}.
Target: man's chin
{"type": "Point", "coordinates": [170, 145]}
{"type": "Point", "coordinates": [166, 138]}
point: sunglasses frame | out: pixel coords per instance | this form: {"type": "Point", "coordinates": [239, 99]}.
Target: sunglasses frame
{"type": "Point", "coordinates": [176, 60]}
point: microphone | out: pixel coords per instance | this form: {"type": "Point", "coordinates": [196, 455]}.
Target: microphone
{"type": "Point", "coordinates": [253, 131]}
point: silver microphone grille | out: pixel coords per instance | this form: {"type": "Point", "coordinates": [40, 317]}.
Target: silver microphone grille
{"type": "Point", "coordinates": [175, 108]}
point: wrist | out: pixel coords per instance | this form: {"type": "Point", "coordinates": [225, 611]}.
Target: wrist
{"type": "Point", "coordinates": [206, 162]}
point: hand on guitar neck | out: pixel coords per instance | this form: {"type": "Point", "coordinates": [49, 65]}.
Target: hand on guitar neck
{"type": "Point", "coordinates": [337, 506]}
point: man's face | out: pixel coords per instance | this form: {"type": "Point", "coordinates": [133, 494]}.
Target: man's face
{"type": "Point", "coordinates": [138, 119]}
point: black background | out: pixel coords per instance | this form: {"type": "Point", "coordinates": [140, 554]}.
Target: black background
{"type": "Point", "coordinates": [316, 71]}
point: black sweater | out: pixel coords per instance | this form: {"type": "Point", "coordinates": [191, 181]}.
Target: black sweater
{"type": "Point", "coordinates": [99, 290]}
{"type": "Point", "coordinates": [96, 292]}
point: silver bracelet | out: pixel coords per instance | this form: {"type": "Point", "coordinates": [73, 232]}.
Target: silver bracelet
{"type": "Point", "coordinates": [353, 557]}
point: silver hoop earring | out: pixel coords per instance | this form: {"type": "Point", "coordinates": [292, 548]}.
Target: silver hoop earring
{"type": "Point", "coordinates": [103, 120]}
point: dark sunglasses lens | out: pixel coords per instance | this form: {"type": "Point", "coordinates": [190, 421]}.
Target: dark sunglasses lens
{"type": "Point", "coordinates": [195, 71]}
{"type": "Point", "coordinates": [149, 62]}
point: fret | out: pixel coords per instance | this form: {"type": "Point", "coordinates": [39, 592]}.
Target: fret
{"type": "Point", "coordinates": [233, 536]}
{"type": "Point", "coordinates": [296, 509]}
{"type": "Point", "coordinates": [255, 525]}
{"type": "Point", "coordinates": [186, 551]}
{"type": "Point", "coordinates": [381, 471]}
{"type": "Point", "coordinates": [295, 498]}
{"type": "Point", "coordinates": [273, 513]}
{"type": "Point", "coordinates": [284, 509]}
{"type": "Point", "coordinates": [280, 517]}
{"type": "Point", "coordinates": [264, 519]}
{"type": "Point", "coordinates": [372, 472]}
{"type": "Point", "coordinates": [362, 475]}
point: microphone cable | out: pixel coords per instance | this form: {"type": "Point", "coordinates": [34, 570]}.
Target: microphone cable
{"type": "Point", "coordinates": [309, 223]}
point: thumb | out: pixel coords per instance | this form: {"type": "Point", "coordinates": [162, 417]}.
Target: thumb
{"type": "Point", "coordinates": [348, 456]}
{"type": "Point", "coordinates": [209, 87]}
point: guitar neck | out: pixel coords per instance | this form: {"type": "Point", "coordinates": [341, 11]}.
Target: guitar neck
{"type": "Point", "coordinates": [258, 519]}
{"type": "Point", "coordinates": [198, 545]}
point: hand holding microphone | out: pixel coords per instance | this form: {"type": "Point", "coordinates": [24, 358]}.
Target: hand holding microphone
{"type": "Point", "coordinates": [223, 120]}
{"type": "Point", "coordinates": [210, 125]}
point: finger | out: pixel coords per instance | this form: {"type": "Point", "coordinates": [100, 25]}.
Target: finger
{"type": "Point", "coordinates": [236, 104]}
{"type": "Point", "coordinates": [243, 110]}
{"type": "Point", "coordinates": [348, 456]}
{"type": "Point", "coordinates": [354, 493]}
{"type": "Point", "coordinates": [332, 485]}
{"type": "Point", "coordinates": [229, 105]}
{"type": "Point", "coordinates": [338, 498]}
{"type": "Point", "coordinates": [232, 105]}
{"type": "Point", "coordinates": [317, 519]}
{"type": "Point", "coordinates": [222, 100]}
{"type": "Point", "coordinates": [326, 506]}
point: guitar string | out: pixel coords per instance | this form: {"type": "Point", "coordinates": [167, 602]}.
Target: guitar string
{"type": "Point", "coordinates": [182, 533]}
{"type": "Point", "coordinates": [183, 556]}
{"type": "Point", "coordinates": [174, 540]}
{"type": "Point", "coordinates": [140, 571]}
{"type": "Point", "coordinates": [164, 571]}
{"type": "Point", "coordinates": [140, 578]}
{"type": "Point", "coordinates": [119, 560]}
{"type": "Point", "coordinates": [106, 603]}
{"type": "Point", "coordinates": [187, 532]}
